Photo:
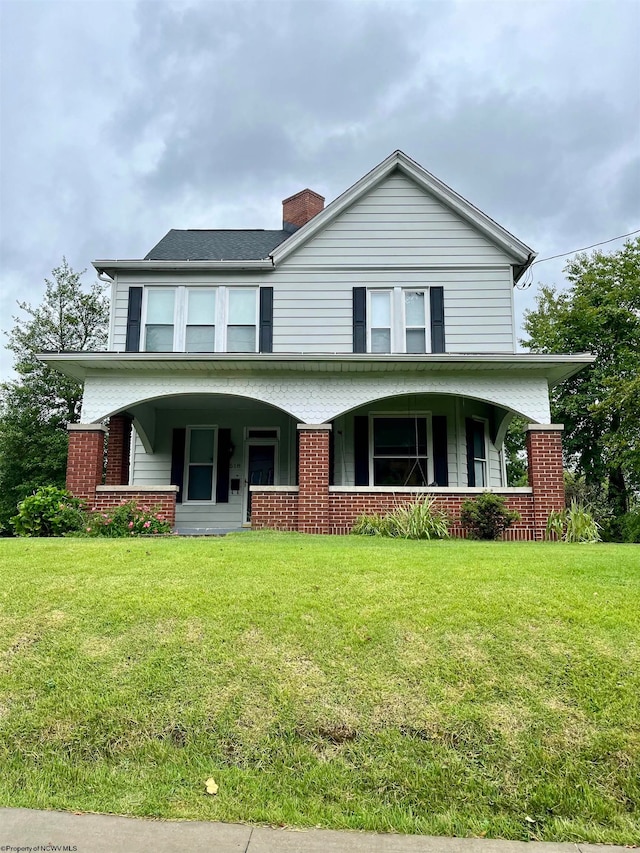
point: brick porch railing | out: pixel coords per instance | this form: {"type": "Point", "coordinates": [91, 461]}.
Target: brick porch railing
{"type": "Point", "coordinates": [293, 508]}
{"type": "Point", "coordinates": [314, 506]}
{"type": "Point", "coordinates": [276, 507]}
{"type": "Point", "coordinates": [160, 499]}
{"type": "Point", "coordinates": [85, 464]}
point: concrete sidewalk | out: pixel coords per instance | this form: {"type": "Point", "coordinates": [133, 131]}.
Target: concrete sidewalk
{"type": "Point", "coordinates": [30, 831]}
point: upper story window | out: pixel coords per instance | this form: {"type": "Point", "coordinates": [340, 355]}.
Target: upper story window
{"type": "Point", "coordinates": [380, 314]}
{"type": "Point", "coordinates": [398, 321]}
{"type": "Point", "coordinates": [242, 320]}
{"type": "Point", "coordinates": [200, 319]}
{"type": "Point", "coordinates": [200, 332]}
{"type": "Point", "coordinates": [160, 320]}
{"type": "Point", "coordinates": [415, 321]}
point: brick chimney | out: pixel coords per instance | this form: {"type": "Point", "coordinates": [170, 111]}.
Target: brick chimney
{"type": "Point", "coordinates": [298, 209]}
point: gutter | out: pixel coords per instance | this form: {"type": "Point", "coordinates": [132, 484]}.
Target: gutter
{"type": "Point", "coordinates": [108, 267]}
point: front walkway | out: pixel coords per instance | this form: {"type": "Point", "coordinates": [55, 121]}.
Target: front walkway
{"type": "Point", "coordinates": [26, 831]}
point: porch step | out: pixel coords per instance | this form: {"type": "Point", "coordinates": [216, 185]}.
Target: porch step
{"type": "Point", "coordinates": [206, 531]}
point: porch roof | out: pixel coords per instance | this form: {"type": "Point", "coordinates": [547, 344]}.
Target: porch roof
{"type": "Point", "coordinates": [554, 368]}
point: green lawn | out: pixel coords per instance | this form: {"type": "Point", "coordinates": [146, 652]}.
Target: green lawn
{"type": "Point", "coordinates": [447, 688]}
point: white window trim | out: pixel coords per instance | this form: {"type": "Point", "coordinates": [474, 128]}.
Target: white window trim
{"type": "Point", "coordinates": [187, 453]}
{"type": "Point", "coordinates": [275, 429]}
{"type": "Point", "coordinates": [427, 416]}
{"type": "Point", "coordinates": [181, 295]}
{"type": "Point", "coordinates": [398, 317]}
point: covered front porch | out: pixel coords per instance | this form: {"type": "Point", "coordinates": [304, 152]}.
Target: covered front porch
{"type": "Point", "coordinates": [309, 443]}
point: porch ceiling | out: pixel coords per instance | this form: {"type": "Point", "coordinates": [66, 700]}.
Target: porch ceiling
{"type": "Point", "coordinates": [554, 368]}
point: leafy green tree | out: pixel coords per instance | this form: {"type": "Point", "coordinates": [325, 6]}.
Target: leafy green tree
{"type": "Point", "coordinates": [36, 407]}
{"type": "Point", "coordinates": [516, 454]}
{"type": "Point", "coordinates": [598, 313]}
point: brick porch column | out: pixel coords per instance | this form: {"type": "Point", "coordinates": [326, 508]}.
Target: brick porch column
{"type": "Point", "coordinates": [544, 451]}
{"type": "Point", "coordinates": [118, 451]}
{"type": "Point", "coordinates": [84, 462]}
{"type": "Point", "coordinates": [313, 467]}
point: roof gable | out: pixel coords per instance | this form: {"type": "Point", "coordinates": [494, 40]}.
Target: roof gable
{"type": "Point", "coordinates": [519, 252]}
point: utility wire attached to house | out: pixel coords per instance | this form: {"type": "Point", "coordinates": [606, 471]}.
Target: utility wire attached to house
{"type": "Point", "coordinates": [528, 278]}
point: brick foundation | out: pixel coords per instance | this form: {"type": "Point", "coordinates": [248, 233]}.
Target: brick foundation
{"type": "Point", "coordinates": [118, 450]}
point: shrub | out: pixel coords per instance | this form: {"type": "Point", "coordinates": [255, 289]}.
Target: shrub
{"type": "Point", "coordinates": [48, 512]}
{"type": "Point", "coordinates": [573, 524]}
{"type": "Point", "coordinates": [487, 516]}
{"type": "Point", "coordinates": [417, 520]}
{"type": "Point", "coordinates": [631, 525]}
{"type": "Point", "coordinates": [370, 525]}
{"type": "Point", "coordinates": [127, 519]}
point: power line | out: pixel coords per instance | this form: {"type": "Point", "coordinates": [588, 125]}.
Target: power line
{"type": "Point", "coordinates": [584, 248]}
{"type": "Point", "coordinates": [528, 276]}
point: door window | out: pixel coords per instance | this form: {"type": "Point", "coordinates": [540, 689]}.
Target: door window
{"type": "Point", "coordinates": [260, 468]}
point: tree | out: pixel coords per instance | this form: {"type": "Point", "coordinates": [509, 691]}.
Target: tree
{"type": "Point", "coordinates": [516, 454]}
{"type": "Point", "coordinates": [35, 408]}
{"type": "Point", "coordinates": [598, 313]}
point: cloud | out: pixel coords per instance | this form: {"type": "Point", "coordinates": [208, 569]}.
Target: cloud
{"type": "Point", "coordinates": [247, 93]}
{"type": "Point", "coordinates": [131, 118]}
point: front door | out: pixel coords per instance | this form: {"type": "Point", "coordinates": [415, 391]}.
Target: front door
{"type": "Point", "coordinates": [261, 464]}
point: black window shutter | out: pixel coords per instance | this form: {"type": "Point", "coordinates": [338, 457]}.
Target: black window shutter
{"type": "Point", "coordinates": [177, 460]}
{"type": "Point", "coordinates": [359, 319]}
{"type": "Point", "coordinates": [134, 315]}
{"type": "Point", "coordinates": [361, 450]}
{"type": "Point", "coordinates": [440, 454]}
{"type": "Point", "coordinates": [332, 455]}
{"type": "Point", "coordinates": [266, 319]}
{"type": "Point", "coordinates": [223, 462]}
{"type": "Point", "coordinates": [471, 471]}
{"type": "Point", "coordinates": [436, 299]}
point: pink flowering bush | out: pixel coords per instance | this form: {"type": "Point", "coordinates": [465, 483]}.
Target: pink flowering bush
{"type": "Point", "coordinates": [127, 519]}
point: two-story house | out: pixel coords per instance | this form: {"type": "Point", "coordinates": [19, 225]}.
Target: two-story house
{"type": "Point", "coordinates": [362, 354]}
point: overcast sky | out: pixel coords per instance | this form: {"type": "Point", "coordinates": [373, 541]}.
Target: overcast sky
{"type": "Point", "coordinates": [120, 120]}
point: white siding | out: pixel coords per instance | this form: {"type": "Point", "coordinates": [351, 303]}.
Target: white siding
{"type": "Point", "coordinates": [397, 222]}
{"type": "Point", "coordinates": [312, 309]}
{"type": "Point", "coordinates": [397, 235]}
{"type": "Point", "coordinates": [474, 408]}
{"type": "Point", "coordinates": [119, 310]}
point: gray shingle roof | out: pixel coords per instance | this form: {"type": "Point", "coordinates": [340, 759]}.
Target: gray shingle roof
{"type": "Point", "coordinates": [227, 245]}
